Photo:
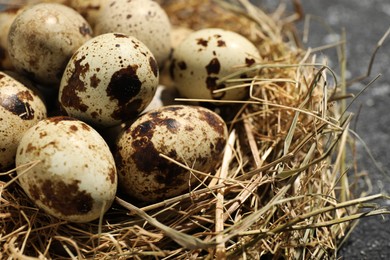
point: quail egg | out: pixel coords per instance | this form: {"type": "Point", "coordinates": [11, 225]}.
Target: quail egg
{"type": "Point", "coordinates": [89, 9]}
{"type": "Point", "coordinates": [43, 37]}
{"type": "Point", "coordinates": [207, 55]}
{"type": "Point", "coordinates": [20, 109]}
{"type": "Point", "coordinates": [74, 178]}
{"type": "Point", "coordinates": [192, 135]}
{"type": "Point", "coordinates": [143, 19]}
{"type": "Point", "coordinates": [109, 79]}
{"type": "Point", "coordinates": [6, 18]}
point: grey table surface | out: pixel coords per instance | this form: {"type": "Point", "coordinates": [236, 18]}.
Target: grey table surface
{"type": "Point", "coordinates": [365, 22]}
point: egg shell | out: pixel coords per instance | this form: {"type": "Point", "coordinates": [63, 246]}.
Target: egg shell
{"type": "Point", "coordinates": [42, 39]}
{"type": "Point", "coordinates": [33, 2]}
{"type": "Point", "coordinates": [192, 135]}
{"type": "Point", "coordinates": [89, 9]}
{"type": "Point", "coordinates": [164, 96]}
{"type": "Point", "coordinates": [6, 18]}
{"type": "Point", "coordinates": [109, 79]}
{"type": "Point", "coordinates": [75, 178]}
{"type": "Point", "coordinates": [20, 109]}
{"type": "Point", "coordinates": [143, 19]}
{"type": "Point", "coordinates": [178, 34]}
{"type": "Point", "coordinates": [207, 55]}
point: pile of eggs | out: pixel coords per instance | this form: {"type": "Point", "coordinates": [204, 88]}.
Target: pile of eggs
{"type": "Point", "coordinates": [76, 85]}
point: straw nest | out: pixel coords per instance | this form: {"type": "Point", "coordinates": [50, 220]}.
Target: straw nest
{"type": "Point", "coordinates": [281, 191]}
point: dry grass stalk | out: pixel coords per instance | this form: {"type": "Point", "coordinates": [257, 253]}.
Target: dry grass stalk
{"type": "Point", "coordinates": [277, 193]}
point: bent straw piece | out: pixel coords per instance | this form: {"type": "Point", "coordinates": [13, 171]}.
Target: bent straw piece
{"type": "Point", "coordinates": [219, 206]}
{"type": "Point", "coordinates": [187, 241]}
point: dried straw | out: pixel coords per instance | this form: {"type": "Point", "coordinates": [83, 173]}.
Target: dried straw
{"type": "Point", "coordinates": [284, 187]}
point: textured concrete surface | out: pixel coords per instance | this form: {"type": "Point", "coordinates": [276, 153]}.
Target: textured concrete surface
{"type": "Point", "coordinates": [365, 22]}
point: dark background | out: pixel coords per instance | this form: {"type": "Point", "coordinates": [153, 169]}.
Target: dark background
{"type": "Point", "coordinates": [365, 22]}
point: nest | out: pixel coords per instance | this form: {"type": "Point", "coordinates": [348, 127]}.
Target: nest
{"type": "Point", "coordinates": [283, 189]}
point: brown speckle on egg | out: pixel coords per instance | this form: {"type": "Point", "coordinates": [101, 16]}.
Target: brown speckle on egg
{"type": "Point", "coordinates": [213, 67]}
{"type": "Point", "coordinates": [221, 43]}
{"type": "Point", "coordinates": [211, 84]}
{"type": "Point", "coordinates": [73, 128]}
{"type": "Point", "coordinates": [52, 192]}
{"type": "Point", "coordinates": [85, 126]}
{"type": "Point", "coordinates": [18, 107]}
{"type": "Point", "coordinates": [202, 42]}
{"type": "Point", "coordinates": [112, 175]}
{"type": "Point", "coordinates": [153, 66]}
{"type": "Point", "coordinates": [182, 65]}
{"type": "Point", "coordinates": [58, 119]}
{"type": "Point", "coordinates": [94, 115]}
{"type": "Point", "coordinates": [124, 85]}
{"type": "Point", "coordinates": [30, 148]}
{"type": "Point", "coordinates": [69, 97]}
{"type": "Point", "coordinates": [212, 121]}
{"type": "Point", "coordinates": [249, 62]}
{"type": "Point", "coordinates": [120, 35]}
{"type": "Point", "coordinates": [42, 134]}
{"type": "Point", "coordinates": [94, 81]}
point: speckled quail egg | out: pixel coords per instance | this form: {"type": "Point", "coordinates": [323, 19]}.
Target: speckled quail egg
{"type": "Point", "coordinates": [207, 55]}
{"type": "Point", "coordinates": [32, 2]}
{"type": "Point", "coordinates": [42, 39]}
{"type": "Point", "coordinates": [20, 109]}
{"type": "Point", "coordinates": [109, 79]}
{"type": "Point", "coordinates": [74, 178]}
{"type": "Point", "coordinates": [178, 34]}
{"type": "Point", "coordinates": [143, 19]}
{"type": "Point", "coordinates": [6, 18]}
{"type": "Point", "coordinates": [192, 135]}
{"type": "Point", "coordinates": [89, 9]}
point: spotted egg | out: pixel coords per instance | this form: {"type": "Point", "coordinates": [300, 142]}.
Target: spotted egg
{"type": "Point", "coordinates": [143, 19]}
{"type": "Point", "coordinates": [72, 173]}
{"type": "Point", "coordinates": [89, 9]}
{"type": "Point", "coordinates": [206, 56]}
{"type": "Point", "coordinates": [109, 79]}
{"type": "Point", "coordinates": [42, 39]}
{"type": "Point", "coordinates": [191, 135]}
{"type": "Point", "coordinates": [20, 109]}
{"type": "Point", "coordinates": [7, 16]}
